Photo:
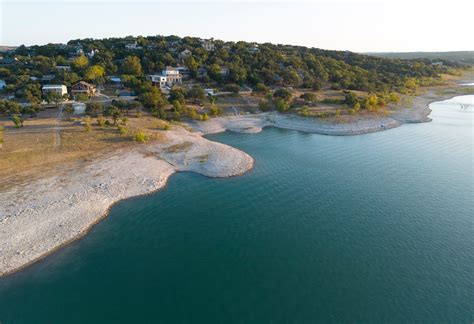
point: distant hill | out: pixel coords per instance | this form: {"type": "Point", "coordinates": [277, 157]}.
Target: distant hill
{"type": "Point", "coordinates": [465, 57]}
{"type": "Point", "coordinates": [4, 48]}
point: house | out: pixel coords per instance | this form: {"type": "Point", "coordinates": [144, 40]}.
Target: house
{"type": "Point", "coordinates": [92, 53]}
{"type": "Point", "coordinates": [208, 46]}
{"type": "Point", "coordinates": [76, 51]}
{"type": "Point", "coordinates": [116, 80]}
{"type": "Point", "coordinates": [209, 92]}
{"type": "Point", "coordinates": [254, 49]}
{"type": "Point", "coordinates": [437, 63]}
{"type": "Point", "coordinates": [185, 54]}
{"type": "Point", "coordinates": [83, 87]}
{"type": "Point", "coordinates": [159, 80]}
{"type": "Point", "coordinates": [57, 88]}
{"type": "Point", "coordinates": [184, 71]}
{"type": "Point", "coordinates": [48, 77]}
{"type": "Point", "coordinates": [167, 78]}
{"type": "Point", "coordinates": [64, 68]}
{"type": "Point", "coordinates": [3, 84]}
{"type": "Point", "coordinates": [224, 71]}
{"type": "Point", "coordinates": [133, 46]}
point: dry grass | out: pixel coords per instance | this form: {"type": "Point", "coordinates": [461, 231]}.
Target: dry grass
{"type": "Point", "coordinates": [176, 148]}
{"type": "Point", "coordinates": [39, 149]}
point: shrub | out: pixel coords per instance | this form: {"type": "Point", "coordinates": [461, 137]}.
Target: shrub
{"type": "Point", "coordinates": [140, 136]}
{"type": "Point", "coordinates": [304, 111]}
{"type": "Point", "coordinates": [87, 124]}
{"type": "Point", "coordinates": [18, 121]}
{"type": "Point", "coordinates": [122, 129]}
{"type": "Point", "coordinates": [100, 121]}
{"type": "Point", "coordinates": [264, 105]}
{"type": "Point", "coordinates": [282, 105]}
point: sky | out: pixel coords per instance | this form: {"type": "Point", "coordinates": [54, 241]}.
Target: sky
{"type": "Point", "coordinates": [355, 25]}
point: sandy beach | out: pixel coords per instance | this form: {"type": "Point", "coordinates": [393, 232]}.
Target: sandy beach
{"type": "Point", "coordinates": [39, 217]}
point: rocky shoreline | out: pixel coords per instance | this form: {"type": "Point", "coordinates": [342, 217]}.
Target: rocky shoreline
{"type": "Point", "coordinates": [39, 217]}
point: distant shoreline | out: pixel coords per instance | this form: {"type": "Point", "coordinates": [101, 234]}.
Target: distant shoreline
{"type": "Point", "coordinates": [52, 212]}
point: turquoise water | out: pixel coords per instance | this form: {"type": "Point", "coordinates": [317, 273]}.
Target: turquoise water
{"type": "Point", "coordinates": [377, 227]}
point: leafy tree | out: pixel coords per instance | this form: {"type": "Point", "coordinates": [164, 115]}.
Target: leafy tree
{"type": "Point", "coordinates": [132, 66]}
{"type": "Point", "coordinates": [95, 73]}
{"type": "Point", "coordinates": [18, 121]}
{"type": "Point", "coordinates": [282, 105]}
{"type": "Point", "coordinates": [80, 63]}
{"type": "Point", "coordinates": [68, 110]}
{"type": "Point", "coordinates": [308, 97]}
{"type": "Point", "coordinates": [177, 94]}
{"type": "Point", "coordinates": [196, 93]}
{"type": "Point", "coordinates": [9, 107]}
{"type": "Point", "coordinates": [283, 94]}
{"type": "Point", "coordinates": [94, 108]}
{"type": "Point", "coordinates": [152, 99]}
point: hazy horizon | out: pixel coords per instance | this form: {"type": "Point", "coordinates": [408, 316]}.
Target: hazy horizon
{"type": "Point", "coordinates": [383, 26]}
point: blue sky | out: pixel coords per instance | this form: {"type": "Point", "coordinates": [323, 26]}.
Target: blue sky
{"type": "Point", "coordinates": [384, 25]}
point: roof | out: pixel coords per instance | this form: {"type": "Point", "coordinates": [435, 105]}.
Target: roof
{"type": "Point", "coordinates": [53, 86]}
{"type": "Point", "coordinates": [87, 84]}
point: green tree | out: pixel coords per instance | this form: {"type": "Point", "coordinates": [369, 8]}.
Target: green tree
{"type": "Point", "coordinates": [95, 73]}
{"type": "Point", "coordinates": [132, 66]}
{"type": "Point", "coordinates": [282, 105]}
{"type": "Point", "coordinates": [80, 63]}
{"type": "Point", "coordinates": [283, 93]}
{"type": "Point", "coordinates": [94, 108]}
{"type": "Point", "coordinates": [18, 121]}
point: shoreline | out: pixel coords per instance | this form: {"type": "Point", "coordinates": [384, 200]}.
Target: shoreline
{"type": "Point", "coordinates": [417, 112]}
{"type": "Point", "coordinates": [66, 207]}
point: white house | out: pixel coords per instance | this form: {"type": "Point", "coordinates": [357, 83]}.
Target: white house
{"type": "Point", "coordinates": [3, 84]}
{"type": "Point", "coordinates": [224, 71]}
{"type": "Point", "coordinates": [208, 46]}
{"type": "Point", "coordinates": [185, 54]}
{"type": "Point", "coordinates": [133, 46]}
{"type": "Point", "coordinates": [58, 88]}
{"type": "Point", "coordinates": [167, 78]}
{"type": "Point", "coordinates": [209, 92]}
{"type": "Point", "coordinates": [63, 68]}
{"type": "Point", "coordinates": [116, 80]}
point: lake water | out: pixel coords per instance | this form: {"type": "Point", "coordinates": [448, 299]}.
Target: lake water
{"type": "Point", "coordinates": [376, 227]}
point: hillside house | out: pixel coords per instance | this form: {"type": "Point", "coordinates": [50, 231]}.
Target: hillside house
{"type": "Point", "coordinates": [167, 78]}
{"type": "Point", "coordinates": [133, 46]}
{"type": "Point", "coordinates": [184, 71]}
{"type": "Point", "coordinates": [185, 54]}
{"type": "Point", "coordinates": [57, 88]}
{"type": "Point", "coordinates": [224, 71]}
{"type": "Point", "coordinates": [208, 46]}
{"type": "Point", "coordinates": [83, 87]}
{"type": "Point", "coordinates": [3, 84]}
{"type": "Point", "coordinates": [65, 68]}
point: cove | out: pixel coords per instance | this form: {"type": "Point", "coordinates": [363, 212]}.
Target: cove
{"type": "Point", "coordinates": [375, 227]}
